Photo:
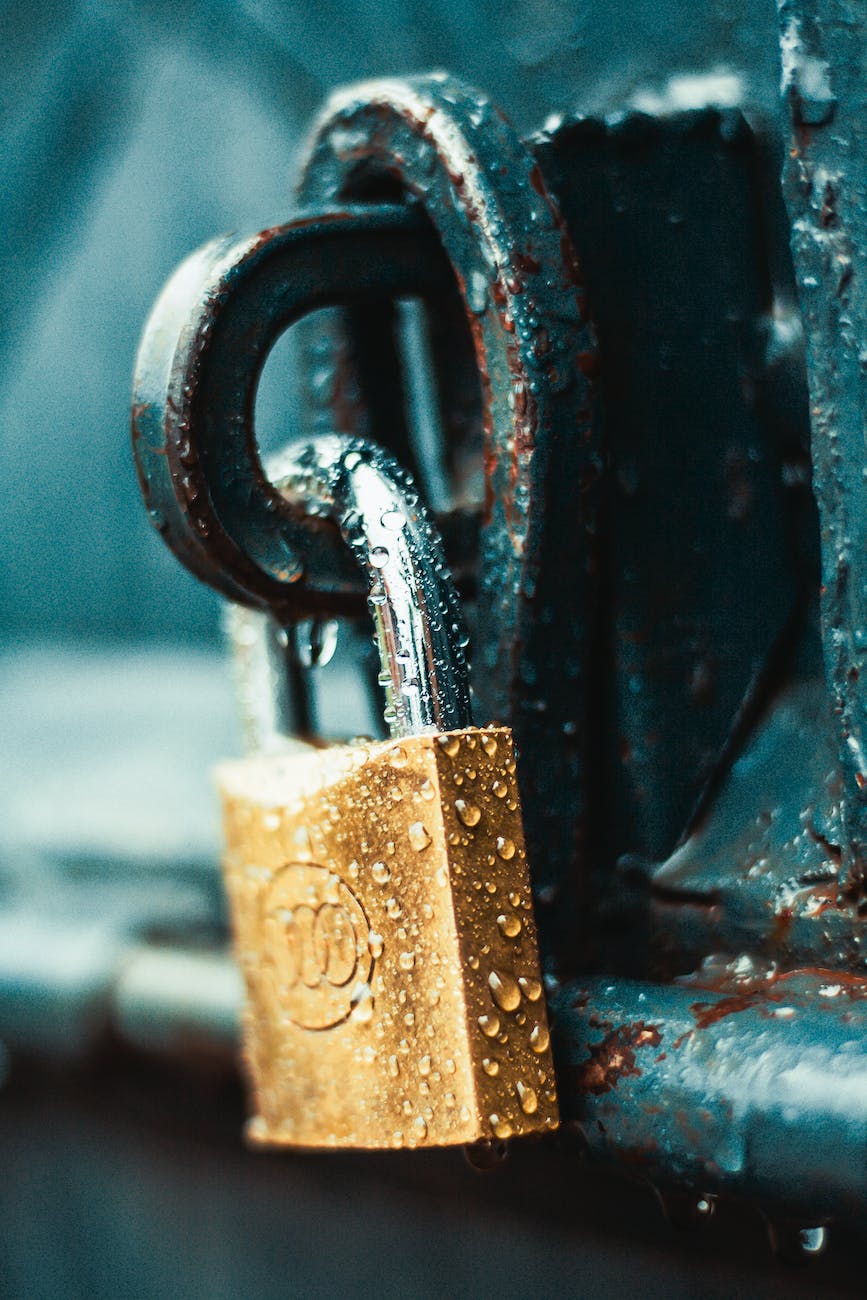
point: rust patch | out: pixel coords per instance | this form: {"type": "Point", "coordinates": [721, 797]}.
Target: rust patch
{"type": "Point", "coordinates": [613, 1058]}
{"type": "Point", "coordinates": [708, 1013]}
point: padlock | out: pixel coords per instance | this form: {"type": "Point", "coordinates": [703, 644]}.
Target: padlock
{"type": "Point", "coordinates": [380, 894]}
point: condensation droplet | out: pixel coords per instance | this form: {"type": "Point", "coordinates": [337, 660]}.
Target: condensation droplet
{"type": "Point", "coordinates": [381, 873]}
{"type": "Point", "coordinates": [489, 1025]}
{"type": "Point", "coordinates": [424, 1066]}
{"type": "Point", "coordinates": [418, 836]}
{"type": "Point", "coordinates": [362, 1004]}
{"type": "Point", "coordinates": [490, 1066]}
{"type": "Point", "coordinates": [502, 1128]}
{"type": "Point", "coordinates": [469, 814]}
{"type": "Point", "coordinates": [419, 1127]}
{"type": "Point", "coordinates": [500, 789]}
{"type": "Point", "coordinates": [540, 1039]}
{"type": "Point", "coordinates": [515, 899]}
{"type": "Point", "coordinates": [406, 960]}
{"type": "Point", "coordinates": [528, 1099]}
{"type": "Point", "coordinates": [509, 925]}
{"type": "Point", "coordinates": [375, 944]}
{"type": "Point", "coordinates": [393, 1066]}
{"type": "Point", "coordinates": [393, 908]}
{"type": "Point", "coordinates": [489, 745]}
{"type": "Point", "coordinates": [531, 988]}
{"type": "Point", "coordinates": [505, 848]}
{"type": "Point", "coordinates": [426, 790]}
{"type": "Point", "coordinates": [504, 990]}
{"type": "Point", "coordinates": [398, 757]}
{"type": "Point", "coordinates": [450, 744]}
{"type": "Point", "coordinates": [379, 557]}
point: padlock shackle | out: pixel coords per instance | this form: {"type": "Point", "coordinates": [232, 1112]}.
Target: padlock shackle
{"type": "Point", "coordinates": [418, 627]}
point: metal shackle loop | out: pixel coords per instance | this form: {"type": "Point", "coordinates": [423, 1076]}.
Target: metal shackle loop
{"type": "Point", "coordinates": [194, 390]}
{"type": "Point", "coordinates": [418, 628]}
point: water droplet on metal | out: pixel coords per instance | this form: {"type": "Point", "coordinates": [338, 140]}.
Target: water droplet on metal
{"type": "Point", "coordinates": [419, 837]}
{"type": "Point", "coordinates": [489, 1025]}
{"type": "Point", "coordinates": [540, 1039]}
{"type": "Point", "coordinates": [501, 1127]}
{"type": "Point", "coordinates": [449, 744]}
{"type": "Point", "coordinates": [505, 848]}
{"type": "Point", "coordinates": [469, 813]}
{"type": "Point", "coordinates": [504, 990]}
{"type": "Point", "coordinates": [381, 873]}
{"type": "Point", "coordinates": [528, 1099]}
{"type": "Point", "coordinates": [509, 925]}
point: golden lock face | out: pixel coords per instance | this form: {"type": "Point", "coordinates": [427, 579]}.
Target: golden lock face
{"type": "Point", "coordinates": [383, 923]}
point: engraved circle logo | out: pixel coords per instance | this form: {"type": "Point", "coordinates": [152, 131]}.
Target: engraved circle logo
{"type": "Point", "coordinates": [316, 945]}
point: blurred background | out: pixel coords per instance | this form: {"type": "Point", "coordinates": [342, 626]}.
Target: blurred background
{"type": "Point", "coordinates": [131, 134]}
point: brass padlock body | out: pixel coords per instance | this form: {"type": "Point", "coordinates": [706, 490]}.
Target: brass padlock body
{"type": "Point", "coordinates": [383, 923]}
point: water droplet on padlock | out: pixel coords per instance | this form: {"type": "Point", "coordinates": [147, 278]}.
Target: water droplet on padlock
{"type": "Point", "coordinates": [449, 744]}
{"type": "Point", "coordinates": [419, 836]}
{"type": "Point", "coordinates": [381, 873]}
{"type": "Point", "coordinates": [501, 1127]}
{"type": "Point", "coordinates": [362, 1004]}
{"type": "Point", "coordinates": [490, 1066]}
{"type": "Point", "coordinates": [505, 848]}
{"type": "Point", "coordinates": [419, 1128]}
{"type": "Point", "coordinates": [379, 557]}
{"type": "Point", "coordinates": [531, 988]}
{"type": "Point", "coordinates": [375, 945]}
{"type": "Point", "coordinates": [469, 814]}
{"type": "Point", "coordinates": [504, 990]}
{"type": "Point", "coordinates": [515, 898]}
{"type": "Point", "coordinates": [314, 641]}
{"type": "Point", "coordinates": [500, 789]}
{"type": "Point", "coordinates": [424, 1066]}
{"type": "Point", "coordinates": [489, 745]}
{"type": "Point", "coordinates": [509, 925]}
{"type": "Point", "coordinates": [393, 908]}
{"type": "Point", "coordinates": [397, 757]}
{"type": "Point", "coordinates": [426, 790]}
{"type": "Point", "coordinates": [393, 520]}
{"type": "Point", "coordinates": [489, 1025]}
{"type": "Point", "coordinates": [528, 1099]}
{"type": "Point", "coordinates": [539, 1039]}
{"type": "Point", "coordinates": [406, 960]}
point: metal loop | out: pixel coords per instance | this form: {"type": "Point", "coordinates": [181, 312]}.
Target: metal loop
{"type": "Point", "coordinates": [198, 366]}
{"type": "Point", "coordinates": [416, 615]}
